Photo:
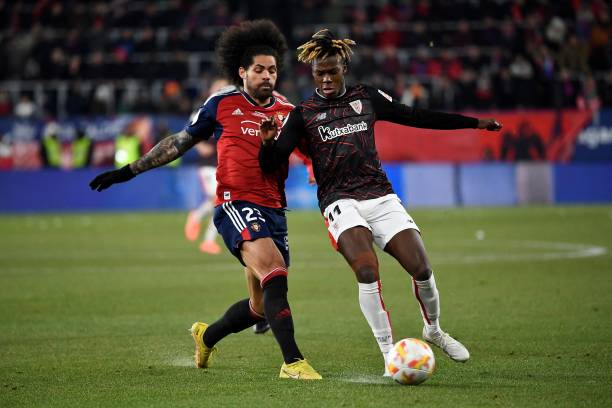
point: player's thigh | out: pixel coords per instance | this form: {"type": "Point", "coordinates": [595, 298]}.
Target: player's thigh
{"type": "Point", "coordinates": [355, 244]}
{"type": "Point", "coordinates": [240, 222]}
{"type": "Point", "coordinates": [341, 216]}
{"type": "Point", "coordinates": [408, 248]}
{"type": "Point", "coordinates": [262, 257]}
{"type": "Point", "coordinates": [386, 217]}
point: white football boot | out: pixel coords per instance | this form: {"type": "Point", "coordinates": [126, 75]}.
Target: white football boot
{"type": "Point", "coordinates": [447, 344]}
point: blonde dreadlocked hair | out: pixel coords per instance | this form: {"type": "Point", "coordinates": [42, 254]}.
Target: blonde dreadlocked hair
{"type": "Point", "coordinates": [324, 44]}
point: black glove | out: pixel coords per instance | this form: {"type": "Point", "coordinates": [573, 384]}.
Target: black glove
{"type": "Point", "coordinates": [107, 179]}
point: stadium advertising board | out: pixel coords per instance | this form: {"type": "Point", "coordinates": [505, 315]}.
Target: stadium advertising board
{"type": "Point", "coordinates": [529, 135]}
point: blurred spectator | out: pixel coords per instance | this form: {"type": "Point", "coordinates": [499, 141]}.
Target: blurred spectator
{"type": "Point", "coordinates": [25, 108]}
{"type": "Point", "coordinates": [521, 72]}
{"type": "Point", "coordinates": [555, 32]}
{"type": "Point", "coordinates": [81, 149]}
{"type": "Point", "coordinates": [6, 154]}
{"type": "Point", "coordinates": [128, 147]}
{"type": "Point", "coordinates": [573, 56]}
{"type": "Point", "coordinates": [416, 95]}
{"type": "Point", "coordinates": [51, 146]}
{"type": "Point", "coordinates": [588, 98]}
{"type": "Point", "coordinates": [103, 99]}
{"type": "Point", "coordinates": [600, 58]}
{"type": "Point", "coordinates": [443, 94]}
{"type": "Point", "coordinates": [5, 104]}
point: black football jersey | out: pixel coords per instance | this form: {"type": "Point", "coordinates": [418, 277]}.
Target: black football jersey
{"type": "Point", "coordinates": [338, 135]}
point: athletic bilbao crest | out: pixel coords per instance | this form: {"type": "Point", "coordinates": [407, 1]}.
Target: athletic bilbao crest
{"type": "Point", "coordinates": [356, 105]}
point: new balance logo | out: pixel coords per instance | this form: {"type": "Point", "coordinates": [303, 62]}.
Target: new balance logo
{"type": "Point", "coordinates": [237, 112]}
{"type": "Point", "coordinates": [321, 115]}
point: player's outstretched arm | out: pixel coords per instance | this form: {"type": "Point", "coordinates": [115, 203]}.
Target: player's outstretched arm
{"type": "Point", "coordinates": [389, 109]}
{"type": "Point", "coordinates": [168, 149]}
{"type": "Point", "coordinates": [162, 153]}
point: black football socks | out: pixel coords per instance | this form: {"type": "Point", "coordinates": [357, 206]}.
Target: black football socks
{"type": "Point", "coordinates": [237, 318]}
{"type": "Point", "coordinates": [278, 313]}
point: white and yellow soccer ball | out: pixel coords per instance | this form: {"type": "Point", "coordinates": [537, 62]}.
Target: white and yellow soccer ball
{"type": "Point", "coordinates": [411, 361]}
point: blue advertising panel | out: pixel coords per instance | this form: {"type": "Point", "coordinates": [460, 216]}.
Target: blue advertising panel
{"type": "Point", "coordinates": [595, 142]}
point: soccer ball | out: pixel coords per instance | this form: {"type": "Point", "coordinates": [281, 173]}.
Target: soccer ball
{"type": "Point", "coordinates": [411, 361]}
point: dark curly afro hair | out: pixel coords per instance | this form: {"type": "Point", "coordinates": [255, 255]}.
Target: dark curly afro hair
{"type": "Point", "coordinates": [239, 44]}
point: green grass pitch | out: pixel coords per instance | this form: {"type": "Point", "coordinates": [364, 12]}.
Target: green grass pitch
{"type": "Point", "coordinates": [94, 311]}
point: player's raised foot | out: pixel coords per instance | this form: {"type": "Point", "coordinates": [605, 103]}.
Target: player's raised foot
{"type": "Point", "coordinates": [192, 227]}
{"type": "Point", "coordinates": [210, 247]}
{"type": "Point", "coordinates": [203, 354]}
{"type": "Point", "coordinates": [261, 327]}
{"type": "Point", "coordinates": [447, 344]}
{"type": "Point", "coordinates": [300, 370]}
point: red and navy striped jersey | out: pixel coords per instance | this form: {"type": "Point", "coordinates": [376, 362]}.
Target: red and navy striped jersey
{"type": "Point", "coordinates": [232, 117]}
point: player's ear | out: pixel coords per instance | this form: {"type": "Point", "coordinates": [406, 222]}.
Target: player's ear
{"type": "Point", "coordinates": [344, 68]}
{"type": "Point", "coordinates": [242, 72]}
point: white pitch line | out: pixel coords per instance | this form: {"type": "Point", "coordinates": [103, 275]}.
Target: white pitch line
{"type": "Point", "coordinates": [562, 250]}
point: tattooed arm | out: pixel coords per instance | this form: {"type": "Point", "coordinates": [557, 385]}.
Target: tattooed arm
{"type": "Point", "coordinates": [164, 152]}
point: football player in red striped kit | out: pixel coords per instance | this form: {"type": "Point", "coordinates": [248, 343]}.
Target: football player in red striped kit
{"type": "Point", "coordinates": [337, 126]}
{"type": "Point", "coordinates": [250, 211]}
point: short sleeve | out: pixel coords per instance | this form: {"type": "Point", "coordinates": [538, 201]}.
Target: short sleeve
{"type": "Point", "coordinates": [203, 121]}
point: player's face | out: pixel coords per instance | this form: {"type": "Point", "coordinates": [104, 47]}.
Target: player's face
{"type": "Point", "coordinates": [328, 74]}
{"type": "Point", "coordinates": [260, 77]}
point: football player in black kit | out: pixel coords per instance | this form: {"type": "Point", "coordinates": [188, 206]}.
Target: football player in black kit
{"type": "Point", "coordinates": [335, 126]}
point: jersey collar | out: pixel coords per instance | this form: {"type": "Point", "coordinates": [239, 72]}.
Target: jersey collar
{"type": "Point", "coordinates": [326, 98]}
{"type": "Point", "coordinates": [252, 101]}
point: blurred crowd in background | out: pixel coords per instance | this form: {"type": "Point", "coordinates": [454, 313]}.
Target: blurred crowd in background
{"type": "Point", "coordinates": [62, 58]}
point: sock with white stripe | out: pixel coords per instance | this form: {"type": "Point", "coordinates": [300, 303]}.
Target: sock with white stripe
{"type": "Point", "coordinates": [372, 307]}
{"type": "Point", "coordinates": [427, 295]}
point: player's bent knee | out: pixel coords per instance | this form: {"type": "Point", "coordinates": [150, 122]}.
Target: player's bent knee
{"type": "Point", "coordinates": [257, 308]}
{"type": "Point", "coordinates": [421, 272]}
{"type": "Point", "coordinates": [367, 274]}
{"type": "Point", "coordinates": [273, 273]}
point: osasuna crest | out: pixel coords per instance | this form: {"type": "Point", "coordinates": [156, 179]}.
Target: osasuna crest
{"type": "Point", "coordinates": [256, 227]}
{"type": "Point", "coordinates": [356, 105]}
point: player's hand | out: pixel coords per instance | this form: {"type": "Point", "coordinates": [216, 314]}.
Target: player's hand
{"type": "Point", "coordinates": [107, 179]}
{"type": "Point", "coordinates": [268, 130]}
{"type": "Point", "coordinates": [489, 124]}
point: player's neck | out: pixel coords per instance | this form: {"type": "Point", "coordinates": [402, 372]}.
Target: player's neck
{"type": "Point", "coordinates": [340, 94]}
